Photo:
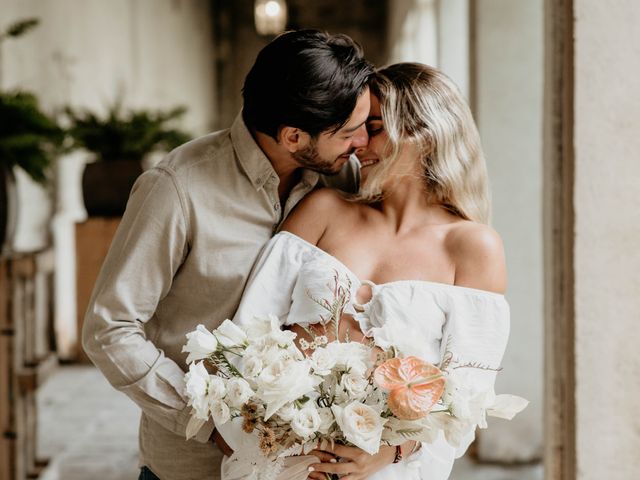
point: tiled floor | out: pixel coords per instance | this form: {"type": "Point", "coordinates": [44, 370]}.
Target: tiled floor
{"type": "Point", "coordinates": [90, 432]}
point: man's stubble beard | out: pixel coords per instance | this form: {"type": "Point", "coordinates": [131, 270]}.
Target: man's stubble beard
{"type": "Point", "coordinates": [310, 158]}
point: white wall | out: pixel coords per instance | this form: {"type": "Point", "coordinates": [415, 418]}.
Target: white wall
{"type": "Point", "coordinates": [154, 53]}
{"type": "Point", "coordinates": [158, 53]}
{"type": "Point", "coordinates": [607, 235]}
{"type": "Point", "coordinates": [509, 67]}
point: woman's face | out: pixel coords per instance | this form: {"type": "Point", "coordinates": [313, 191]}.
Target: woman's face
{"type": "Point", "coordinates": [374, 151]}
{"type": "Point", "coordinates": [378, 149]}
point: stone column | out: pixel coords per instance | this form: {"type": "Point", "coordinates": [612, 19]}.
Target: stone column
{"type": "Point", "coordinates": [607, 236]}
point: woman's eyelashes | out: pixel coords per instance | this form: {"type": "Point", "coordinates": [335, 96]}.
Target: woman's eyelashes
{"type": "Point", "coordinates": [374, 129]}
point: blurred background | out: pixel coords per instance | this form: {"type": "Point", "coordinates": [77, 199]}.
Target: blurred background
{"type": "Point", "coordinates": [93, 91]}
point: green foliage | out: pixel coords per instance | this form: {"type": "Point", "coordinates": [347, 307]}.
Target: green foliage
{"type": "Point", "coordinates": [19, 28]}
{"type": "Point", "coordinates": [125, 136]}
{"type": "Point", "coordinates": [28, 137]}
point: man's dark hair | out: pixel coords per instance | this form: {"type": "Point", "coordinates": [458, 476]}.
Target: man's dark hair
{"type": "Point", "coordinates": [305, 79]}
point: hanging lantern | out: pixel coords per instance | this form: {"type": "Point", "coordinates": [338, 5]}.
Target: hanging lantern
{"type": "Point", "coordinates": [270, 16]}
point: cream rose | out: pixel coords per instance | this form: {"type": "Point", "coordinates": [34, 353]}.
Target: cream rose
{"type": "Point", "coordinates": [220, 412]}
{"type": "Point", "coordinates": [361, 425]}
{"type": "Point", "coordinates": [251, 366]}
{"type": "Point", "coordinates": [306, 421]}
{"type": "Point", "coordinates": [238, 392]}
{"type": "Point", "coordinates": [322, 361]}
{"type": "Point", "coordinates": [216, 388]}
{"type": "Point", "coordinates": [326, 420]}
{"type": "Point", "coordinates": [355, 385]}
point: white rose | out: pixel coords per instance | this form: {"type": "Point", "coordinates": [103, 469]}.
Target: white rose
{"type": "Point", "coordinates": [306, 421]}
{"type": "Point", "coordinates": [229, 334]}
{"type": "Point", "coordinates": [201, 343]}
{"type": "Point", "coordinates": [251, 366]}
{"type": "Point", "coordinates": [350, 355]}
{"type": "Point", "coordinates": [284, 381]}
{"type": "Point", "coordinates": [287, 412]}
{"type": "Point", "coordinates": [282, 338]}
{"type": "Point", "coordinates": [355, 366]}
{"type": "Point", "coordinates": [259, 326]}
{"type": "Point", "coordinates": [354, 384]}
{"type": "Point", "coordinates": [326, 420]}
{"type": "Point", "coordinates": [276, 354]}
{"type": "Point", "coordinates": [322, 361]}
{"type": "Point", "coordinates": [196, 384]}
{"type": "Point", "coordinates": [220, 412]}
{"type": "Point", "coordinates": [361, 425]}
{"type": "Point", "coordinates": [216, 388]}
{"type": "Point", "coordinates": [257, 348]}
{"type": "Point", "coordinates": [238, 392]}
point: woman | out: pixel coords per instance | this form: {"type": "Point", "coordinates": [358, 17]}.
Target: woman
{"type": "Point", "coordinates": [418, 234]}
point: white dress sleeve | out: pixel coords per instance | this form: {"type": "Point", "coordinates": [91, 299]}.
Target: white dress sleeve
{"type": "Point", "coordinates": [475, 333]}
{"type": "Point", "coordinates": [471, 325]}
{"type": "Point", "coordinates": [271, 282]}
{"type": "Point", "coordinates": [286, 278]}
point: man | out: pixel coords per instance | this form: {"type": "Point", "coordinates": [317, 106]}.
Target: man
{"type": "Point", "coordinates": [195, 224]}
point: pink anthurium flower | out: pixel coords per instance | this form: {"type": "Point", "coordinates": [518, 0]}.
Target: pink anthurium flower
{"type": "Point", "coordinates": [414, 386]}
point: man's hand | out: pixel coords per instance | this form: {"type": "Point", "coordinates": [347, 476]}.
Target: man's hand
{"type": "Point", "coordinates": [356, 464]}
{"type": "Point", "coordinates": [219, 441]}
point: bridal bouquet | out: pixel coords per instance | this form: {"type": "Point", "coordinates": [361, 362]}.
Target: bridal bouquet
{"type": "Point", "coordinates": [336, 392]}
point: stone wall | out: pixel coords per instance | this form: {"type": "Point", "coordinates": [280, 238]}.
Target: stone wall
{"type": "Point", "coordinates": [607, 234]}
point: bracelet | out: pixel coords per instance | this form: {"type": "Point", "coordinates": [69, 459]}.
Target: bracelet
{"type": "Point", "coordinates": [398, 456]}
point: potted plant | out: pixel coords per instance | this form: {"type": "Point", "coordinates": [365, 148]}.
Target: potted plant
{"type": "Point", "coordinates": [28, 139]}
{"type": "Point", "coordinates": [120, 140]}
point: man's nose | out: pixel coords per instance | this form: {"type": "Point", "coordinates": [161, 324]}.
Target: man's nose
{"type": "Point", "coordinates": [360, 138]}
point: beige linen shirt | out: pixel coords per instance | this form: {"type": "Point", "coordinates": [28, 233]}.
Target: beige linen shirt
{"type": "Point", "coordinates": [193, 227]}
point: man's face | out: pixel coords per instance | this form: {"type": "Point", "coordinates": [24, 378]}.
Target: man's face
{"type": "Point", "coordinates": [328, 152]}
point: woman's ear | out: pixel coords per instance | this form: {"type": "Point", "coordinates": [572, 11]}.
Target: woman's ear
{"type": "Point", "coordinates": [293, 139]}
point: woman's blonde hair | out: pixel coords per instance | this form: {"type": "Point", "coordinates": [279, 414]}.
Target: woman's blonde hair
{"type": "Point", "coordinates": [422, 106]}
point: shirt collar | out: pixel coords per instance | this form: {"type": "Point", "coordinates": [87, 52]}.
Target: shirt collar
{"type": "Point", "coordinates": [253, 160]}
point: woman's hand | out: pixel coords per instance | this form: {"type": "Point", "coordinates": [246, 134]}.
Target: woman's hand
{"type": "Point", "coordinates": [356, 464]}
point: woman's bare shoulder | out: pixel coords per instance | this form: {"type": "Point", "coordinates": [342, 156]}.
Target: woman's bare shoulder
{"type": "Point", "coordinates": [313, 215]}
{"type": "Point", "coordinates": [478, 254]}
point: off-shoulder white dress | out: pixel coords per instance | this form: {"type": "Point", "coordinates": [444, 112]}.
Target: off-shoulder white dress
{"type": "Point", "coordinates": [419, 318]}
